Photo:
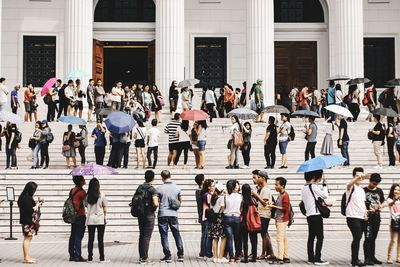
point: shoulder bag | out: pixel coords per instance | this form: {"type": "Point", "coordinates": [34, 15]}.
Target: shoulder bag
{"type": "Point", "coordinates": [320, 205]}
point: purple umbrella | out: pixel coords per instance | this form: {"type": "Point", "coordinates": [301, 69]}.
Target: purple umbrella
{"type": "Point", "coordinates": [93, 169]}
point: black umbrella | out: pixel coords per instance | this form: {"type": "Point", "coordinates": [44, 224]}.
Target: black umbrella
{"type": "Point", "coordinates": [393, 83]}
{"type": "Point", "coordinates": [388, 112]}
{"type": "Point", "coordinates": [338, 78]}
{"type": "Point", "coordinates": [358, 81]}
{"type": "Point", "coordinates": [305, 113]}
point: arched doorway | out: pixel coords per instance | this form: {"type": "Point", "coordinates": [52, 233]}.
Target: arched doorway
{"type": "Point", "coordinates": [301, 44]}
{"type": "Point", "coordinates": [124, 47]}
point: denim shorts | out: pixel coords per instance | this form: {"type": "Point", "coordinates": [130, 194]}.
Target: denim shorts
{"type": "Point", "coordinates": [282, 147]}
{"type": "Point", "coordinates": [202, 145]}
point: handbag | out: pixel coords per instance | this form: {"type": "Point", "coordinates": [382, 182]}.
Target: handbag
{"type": "Point", "coordinates": [66, 148]}
{"type": "Point", "coordinates": [253, 220]}
{"type": "Point", "coordinates": [161, 100]}
{"type": "Point", "coordinates": [238, 139]}
{"type": "Point", "coordinates": [77, 143]}
{"type": "Point", "coordinates": [32, 143]}
{"type": "Point", "coordinates": [320, 205]}
{"type": "Point", "coordinates": [395, 223]}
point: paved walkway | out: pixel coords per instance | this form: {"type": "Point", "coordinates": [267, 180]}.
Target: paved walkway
{"type": "Point", "coordinates": [122, 251]}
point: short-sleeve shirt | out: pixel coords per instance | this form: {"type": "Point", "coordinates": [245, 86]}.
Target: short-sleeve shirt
{"type": "Point", "coordinates": [79, 196]}
{"type": "Point", "coordinates": [343, 125]}
{"type": "Point", "coordinates": [313, 136]}
{"type": "Point", "coordinates": [218, 204]}
{"type": "Point", "coordinates": [166, 191]}
{"type": "Point", "coordinates": [378, 128]}
{"type": "Point", "coordinates": [14, 95]}
{"type": "Point", "coordinates": [259, 91]}
{"type": "Point", "coordinates": [331, 95]}
{"type": "Point", "coordinates": [95, 212]}
{"type": "Point", "coordinates": [27, 96]}
{"type": "Point", "coordinates": [99, 94]}
{"type": "Point", "coordinates": [265, 194]}
{"type": "Point", "coordinates": [373, 200]}
{"type": "Point", "coordinates": [100, 137]}
{"type": "Point", "coordinates": [285, 129]}
{"type": "Point", "coordinates": [153, 133]}
{"type": "Point", "coordinates": [284, 202]}
{"type": "Point", "coordinates": [356, 207]}
{"type": "Point", "coordinates": [151, 192]}
{"type": "Point", "coordinates": [232, 204]}
{"type": "Point", "coordinates": [273, 135]}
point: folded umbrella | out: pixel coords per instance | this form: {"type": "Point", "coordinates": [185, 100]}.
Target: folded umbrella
{"type": "Point", "coordinates": [72, 120]}
{"type": "Point", "coordinates": [358, 81]}
{"type": "Point", "coordinates": [93, 169]}
{"type": "Point", "coordinates": [339, 110]}
{"type": "Point", "coordinates": [305, 113]}
{"type": "Point", "coordinates": [393, 83]}
{"type": "Point", "coordinates": [388, 112]}
{"type": "Point", "coordinates": [194, 115]}
{"type": "Point", "coordinates": [339, 78]}
{"type": "Point", "coordinates": [188, 83]}
{"type": "Point", "coordinates": [11, 117]}
{"type": "Point", "coordinates": [243, 113]}
{"type": "Point", "coordinates": [46, 87]}
{"type": "Point", "coordinates": [321, 163]}
{"type": "Point", "coordinates": [276, 109]}
{"type": "Point", "coordinates": [120, 122]}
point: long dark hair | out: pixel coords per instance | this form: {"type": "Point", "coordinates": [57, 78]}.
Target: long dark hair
{"type": "Point", "coordinates": [231, 185]}
{"type": "Point", "coordinates": [246, 193]}
{"type": "Point", "coordinates": [185, 125]}
{"type": "Point", "coordinates": [93, 192]}
{"type": "Point", "coordinates": [215, 196]}
{"type": "Point", "coordinates": [391, 192]}
{"type": "Point", "coordinates": [203, 124]}
{"type": "Point", "coordinates": [238, 122]}
{"type": "Point", "coordinates": [29, 189]}
{"type": "Point", "coordinates": [207, 183]}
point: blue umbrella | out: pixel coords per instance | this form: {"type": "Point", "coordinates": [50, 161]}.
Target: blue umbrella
{"type": "Point", "coordinates": [321, 163]}
{"type": "Point", "coordinates": [72, 120]}
{"type": "Point", "coordinates": [11, 117]}
{"type": "Point", "coordinates": [120, 122]}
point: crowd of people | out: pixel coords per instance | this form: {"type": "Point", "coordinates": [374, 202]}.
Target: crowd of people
{"type": "Point", "coordinates": [230, 217]}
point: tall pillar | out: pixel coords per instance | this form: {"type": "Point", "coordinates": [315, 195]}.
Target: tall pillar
{"type": "Point", "coordinates": [78, 54]}
{"type": "Point", "coordinates": [170, 19]}
{"type": "Point", "coordinates": [346, 38]}
{"type": "Point", "coordinates": [261, 47]}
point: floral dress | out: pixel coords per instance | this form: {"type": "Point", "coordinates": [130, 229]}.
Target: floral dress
{"type": "Point", "coordinates": [217, 228]}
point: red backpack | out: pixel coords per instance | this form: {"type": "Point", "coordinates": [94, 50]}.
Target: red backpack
{"type": "Point", "coordinates": [253, 220]}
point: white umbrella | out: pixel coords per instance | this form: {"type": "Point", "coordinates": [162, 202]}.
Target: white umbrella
{"type": "Point", "coordinates": [339, 110]}
{"type": "Point", "coordinates": [188, 83]}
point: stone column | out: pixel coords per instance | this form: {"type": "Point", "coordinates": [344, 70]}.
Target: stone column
{"type": "Point", "coordinates": [346, 38]}
{"type": "Point", "coordinates": [78, 38]}
{"type": "Point", "coordinates": [260, 46]}
{"type": "Point", "coordinates": [170, 20]}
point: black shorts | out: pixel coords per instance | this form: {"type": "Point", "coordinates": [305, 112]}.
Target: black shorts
{"type": "Point", "coordinates": [264, 225]}
{"type": "Point", "coordinates": [78, 105]}
{"type": "Point", "coordinates": [90, 104]}
{"type": "Point", "coordinates": [173, 146]}
{"type": "Point", "coordinates": [139, 143]}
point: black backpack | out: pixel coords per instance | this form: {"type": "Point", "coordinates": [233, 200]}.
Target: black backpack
{"type": "Point", "coordinates": [345, 202]}
{"type": "Point", "coordinates": [18, 137]}
{"type": "Point", "coordinates": [49, 137]}
{"type": "Point", "coordinates": [292, 134]}
{"type": "Point", "coordinates": [140, 201]}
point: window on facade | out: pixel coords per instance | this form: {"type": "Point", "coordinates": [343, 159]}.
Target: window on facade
{"type": "Point", "coordinates": [210, 61]}
{"type": "Point", "coordinates": [291, 11]}
{"type": "Point", "coordinates": [39, 61]}
{"type": "Point", "coordinates": [125, 11]}
{"type": "Point", "coordinates": [379, 60]}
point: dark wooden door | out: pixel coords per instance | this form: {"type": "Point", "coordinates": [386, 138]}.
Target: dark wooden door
{"type": "Point", "coordinates": [98, 60]}
{"type": "Point", "coordinates": [151, 62]}
{"type": "Point", "coordinates": [295, 64]}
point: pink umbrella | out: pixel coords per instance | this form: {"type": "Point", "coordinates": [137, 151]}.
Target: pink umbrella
{"type": "Point", "coordinates": [47, 86]}
{"type": "Point", "coordinates": [92, 169]}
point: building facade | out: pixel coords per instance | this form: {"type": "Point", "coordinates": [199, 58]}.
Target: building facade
{"type": "Point", "coordinates": [284, 42]}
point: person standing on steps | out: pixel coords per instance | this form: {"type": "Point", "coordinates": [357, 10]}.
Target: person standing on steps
{"type": "Point", "coordinates": [311, 130]}
{"type": "Point", "coordinates": [78, 227]}
{"type": "Point", "coordinates": [270, 142]}
{"type": "Point", "coordinates": [100, 142]}
{"type": "Point", "coordinates": [344, 140]}
{"type": "Point", "coordinates": [375, 202]}
{"type": "Point", "coordinates": [356, 213]}
{"type": "Point", "coordinates": [393, 202]}
{"type": "Point", "coordinates": [259, 101]}
{"type": "Point", "coordinates": [152, 144]}
{"type": "Point", "coordinates": [173, 140]}
{"type": "Point", "coordinates": [233, 155]}
{"type": "Point", "coordinates": [170, 202]}
{"type": "Point", "coordinates": [310, 193]}
{"type": "Point", "coordinates": [378, 138]}
{"type": "Point", "coordinates": [284, 131]}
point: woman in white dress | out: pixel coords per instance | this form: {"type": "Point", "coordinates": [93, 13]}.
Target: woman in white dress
{"type": "Point", "coordinates": [186, 103]}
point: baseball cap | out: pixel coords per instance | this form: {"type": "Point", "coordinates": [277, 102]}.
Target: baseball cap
{"type": "Point", "coordinates": [220, 187]}
{"type": "Point", "coordinates": [263, 173]}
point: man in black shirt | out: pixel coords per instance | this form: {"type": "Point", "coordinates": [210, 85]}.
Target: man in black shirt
{"type": "Point", "coordinates": [374, 202]}
{"type": "Point", "coordinates": [63, 102]}
{"type": "Point", "coordinates": [199, 179]}
{"type": "Point", "coordinates": [270, 142]}
{"type": "Point", "coordinates": [378, 137]}
{"type": "Point", "coordinates": [344, 139]}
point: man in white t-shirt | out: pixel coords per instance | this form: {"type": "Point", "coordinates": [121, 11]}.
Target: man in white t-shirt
{"type": "Point", "coordinates": [356, 212]}
{"type": "Point", "coordinates": [152, 143]}
{"type": "Point", "coordinates": [3, 94]}
{"type": "Point", "coordinates": [264, 197]}
{"type": "Point", "coordinates": [284, 131]}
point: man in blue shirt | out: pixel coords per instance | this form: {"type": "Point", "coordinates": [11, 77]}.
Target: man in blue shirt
{"type": "Point", "coordinates": [170, 201]}
{"type": "Point", "coordinates": [330, 99]}
{"type": "Point", "coordinates": [14, 99]}
{"type": "Point", "coordinates": [100, 142]}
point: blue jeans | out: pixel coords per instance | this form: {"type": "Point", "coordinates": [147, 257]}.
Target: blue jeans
{"type": "Point", "coordinates": [8, 156]}
{"type": "Point", "coordinates": [163, 224]}
{"type": "Point", "coordinates": [345, 152]}
{"type": "Point", "coordinates": [206, 241]}
{"type": "Point", "coordinates": [232, 231]}
{"type": "Point", "coordinates": [35, 155]}
{"type": "Point", "coordinates": [75, 239]}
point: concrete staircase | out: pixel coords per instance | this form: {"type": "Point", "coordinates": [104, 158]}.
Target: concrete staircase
{"type": "Point", "coordinates": [55, 183]}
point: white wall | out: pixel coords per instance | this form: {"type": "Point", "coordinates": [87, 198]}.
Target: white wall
{"type": "Point", "coordinates": [225, 19]}
{"type": "Point", "coordinates": [383, 20]}
{"type": "Point", "coordinates": [23, 17]}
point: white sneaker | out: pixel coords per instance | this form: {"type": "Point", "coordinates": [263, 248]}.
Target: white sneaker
{"type": "Point", "coordinates": [378, 167]}
{"type": "Point", "coordinates": [215, 260]}
{"type": "Point", "coordinates": [223, 260]}
{"type": "Point", "coordinates": [321, 262]}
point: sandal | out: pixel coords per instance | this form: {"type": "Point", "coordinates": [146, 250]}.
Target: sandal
{"type": "Point", "coordinates": [31, 261]}
{"type": "Point", "coordinates": [259, 258]}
